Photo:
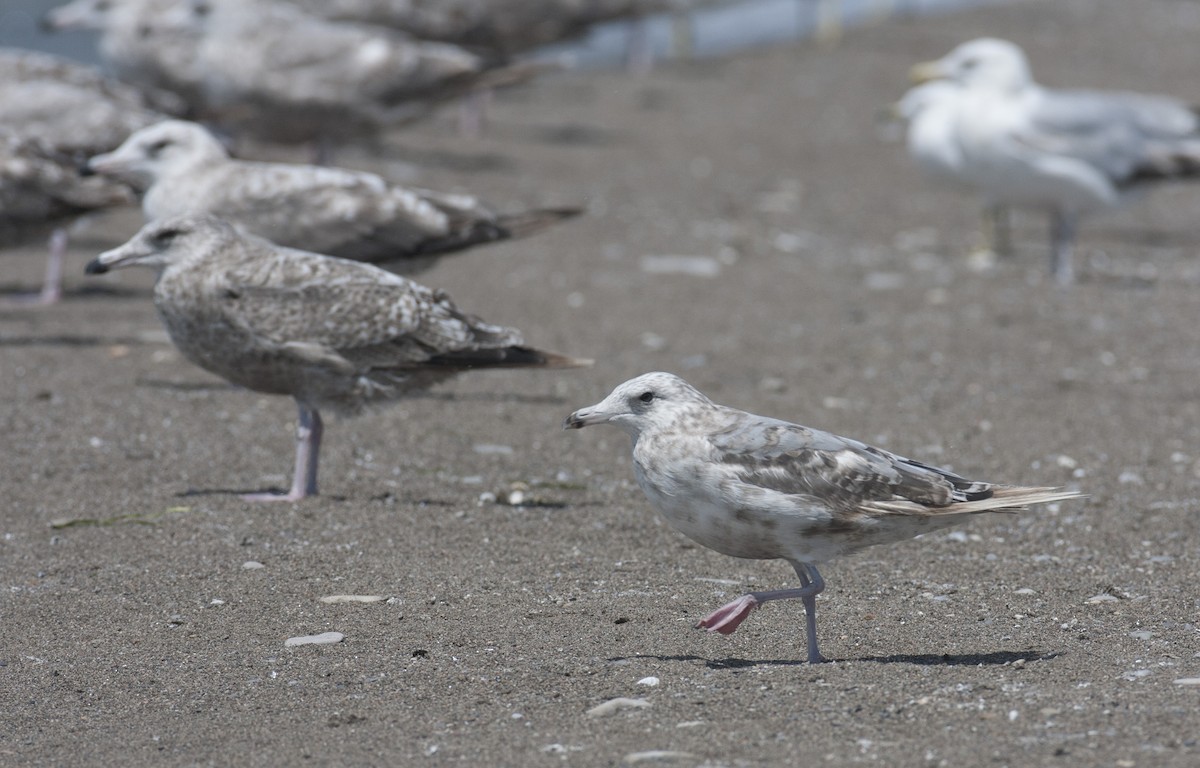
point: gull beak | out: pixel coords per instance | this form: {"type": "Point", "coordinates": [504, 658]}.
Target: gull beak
{"type": "Point", "coordinates": [926, 71]}
{"type": "Point", "coordinates": [107, 164]}
{"type": "Point", "coordinates": [585, 417]}
{"type": "Point", "coordinates": [124, 256]}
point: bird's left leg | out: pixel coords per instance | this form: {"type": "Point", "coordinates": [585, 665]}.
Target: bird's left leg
{"type": "Point", "coordinates": [51, 291]}
{"type": "Point", "coordinates": [308, 449]}
{"type": "Point", "coordinates": [1062, 241]}
{"type": "Point", "coordinates": [727, 618]}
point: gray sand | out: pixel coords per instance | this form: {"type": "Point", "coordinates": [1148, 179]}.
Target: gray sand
{"type": "Point", "coordinates": [845, 301]}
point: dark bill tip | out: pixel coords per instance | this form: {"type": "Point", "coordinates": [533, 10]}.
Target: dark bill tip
{"type": "Point", "coordinates": [95, 267]}
{"type": "Point", "coordinates": [86, 169]}
{"type": "Point", "coordinates": [573, 422]}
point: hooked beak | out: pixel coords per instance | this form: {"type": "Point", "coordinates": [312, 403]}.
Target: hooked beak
{"type": "Point", "coordinates": [124, 256]}
{"type": "Point", "coordinates": [104, 164]}
{"type": "Point", "coordinates": [585, 417]}
{"type": "Point", "coordinates": [926, 71]}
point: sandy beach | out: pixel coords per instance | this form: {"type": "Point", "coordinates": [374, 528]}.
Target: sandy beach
{"type": "Point", "coordinates": [754, 227]}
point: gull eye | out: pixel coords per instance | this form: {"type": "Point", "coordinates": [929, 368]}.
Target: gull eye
{"type": "Point", "coordinates": [646, 397]}
{"type": "Point", "coordinates": [155, 149]}
{"type": "Point", "coordinates": [166, 237]}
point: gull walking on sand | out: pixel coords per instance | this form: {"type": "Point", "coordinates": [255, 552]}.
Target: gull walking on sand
{"type": "Point", "coordinates": [338, 212]}
{"type": "Point", "coordinates": [755, 487]}
{"type": "Point", "coordinates": [331, 333]}
{"type": "Point", "coordinates": [1069, 153]}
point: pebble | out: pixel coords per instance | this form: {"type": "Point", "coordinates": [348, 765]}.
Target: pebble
{"type": "Point", "coordinates": [353, 599]}
{"type": "Point", "coordinates": [492, 448]}
{"type": "Point", "coordinates": [325, 638]}
{"type": "Point", "coordinates": [649, 682]}
{"type": "Point", "coordinates": [1187, 681]}
{"type": "Point", "coordinates": [1141, 635]}
{"type": "Point", "coordinates": [1024, 591]}
{"type": "Point", "coordinates": [252, 565]}
{"type": "Point", "coordinates": [697, 266]}
{"type": "Point", "coordinates": [615, 705]}
{"type": "Point", "coordinates": [655, 755]}
{"type": "Point", "coordinates": [1101, 598]}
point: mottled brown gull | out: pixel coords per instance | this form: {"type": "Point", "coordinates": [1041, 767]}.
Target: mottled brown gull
{"type": "Point", "coordinates": [1069, 153]}
{"type": "Point", "coordinates": [502, 27]}
{"type": "Point", "coordinates": [153, 44]}
{"type": "Point", "coordinates": [755, 487]}
{"type": "Point", "coordinates": [353, 214]}
{"type": "Point", "coordinates": [54, 114]}
{"type": "Point", "coordinates": [332, 333]}
{"type": "Point", "coordinates": [275, 71]}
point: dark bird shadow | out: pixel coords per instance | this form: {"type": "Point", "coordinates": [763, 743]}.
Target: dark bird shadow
{"type": "Point", "coordinates": [994, 659]}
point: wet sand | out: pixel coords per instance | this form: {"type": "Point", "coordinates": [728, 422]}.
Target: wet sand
{"type": "Point", "coordinates": [132, 633]}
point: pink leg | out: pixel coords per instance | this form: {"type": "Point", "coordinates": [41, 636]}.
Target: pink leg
{"type": "Point", "coordinates": [727, 618]}
{"type": "Point", "coordinates": [51, 291]}
{"type": "Point", "coordinates": [308, 448]}
{"type": "Point", "coordinates": [473, 113]}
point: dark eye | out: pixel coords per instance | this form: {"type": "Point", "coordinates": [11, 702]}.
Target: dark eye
{"type": "Point", "coordinates": [155, 149]}
{"type": "Point", "coordinates": [970, 64]}
{"type": "Point", "coordinates": [646, 397]}
{"type": "Point", "coordinates": [166, 236]}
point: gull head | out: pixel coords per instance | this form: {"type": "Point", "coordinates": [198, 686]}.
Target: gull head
{"type": "Point", "coordinates": [984, 62]}
{"type": "Point", "coordinates": [175, 240]}
{"type": "Point", "coordinates": [647, 401]}
{"type": "Point", "coordinates": [172, 146]}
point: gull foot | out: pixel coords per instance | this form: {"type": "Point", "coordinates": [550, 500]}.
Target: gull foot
{"type": "Point", "coordinates": [727, 618]}
{"type": "Point", "coordinates": [274, 496]}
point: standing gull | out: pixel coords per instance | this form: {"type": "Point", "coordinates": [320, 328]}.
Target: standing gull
{"type": "Point", "coordinates": [1069, 153]}
{"type": "Point", "coordinates": [272, 70]}
{"type": "Point", "coordinates": [331, 333]}
{"type": "Point", "coordinates": [352, 214]}
{"type": "Point", "coordinates": [55, 113]}
{"type": "Point", "coordinates": [930, 110]}
{"type": "Point", "coordinates": [755, 487]}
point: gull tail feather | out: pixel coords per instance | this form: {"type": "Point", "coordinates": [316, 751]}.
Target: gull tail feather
{"type": "Point", "coordinates": [506, 357]}
{"type": "Point", "coordinates": [1013, 499]}
{"type": "Point", "coordinates": [479, 231]}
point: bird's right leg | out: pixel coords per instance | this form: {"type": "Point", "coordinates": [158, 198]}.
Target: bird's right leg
{"type": "Point", "coordinates": [997, 231]}
{"type": "Point", "coordinates": [51, 291]}
{"type": "Point", "coordinates": [308, 448]}
{"type": "Point", "coordinates": [1062, 240]}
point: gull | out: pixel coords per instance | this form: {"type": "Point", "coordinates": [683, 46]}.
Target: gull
{"type": "Point", "coordinates": [152, 44]}
{"type": "Point", "coordinates": [331, 333]}
{"type": "Point", "coordinates": [1069, 153]}
{"type": "Point", "coordinates": [54, 113]}
{"type": "Point", "coordinates": [501, 27]}
{"type": "Point", "coordinates": [272, 70]}
{"type": "Point", "coordinates": [930, 110]}
{"type": "Point", "coordinates": [756, 487]}
{"type": "Point", "coordinates": [353, 214]}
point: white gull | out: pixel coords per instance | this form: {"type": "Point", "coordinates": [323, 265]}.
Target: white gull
{"type": "Point", "coordinates": [755, 487]}
{"type": "Point", "coordinates": [1069, 153]}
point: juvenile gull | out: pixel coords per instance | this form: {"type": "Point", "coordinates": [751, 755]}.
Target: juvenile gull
{"type": "Point", "coordinates": [55, 113]}
{"type": "Point", "coordinates": [1069, 153]}
{"type": "Point", "coordinates": [500, 27]}
{"type": "Point", "coordinates": [352, 214]}
{"type": "Point", "coordinates": [272, 70]}
{"type": "Point", "coordinates": [331, 333]}
{"type": "Point", "coordinates": [755, 487]}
